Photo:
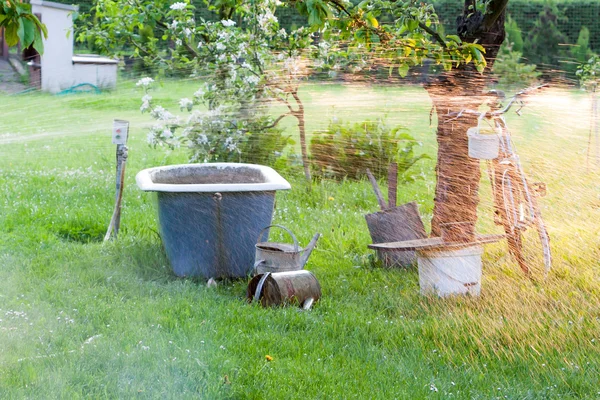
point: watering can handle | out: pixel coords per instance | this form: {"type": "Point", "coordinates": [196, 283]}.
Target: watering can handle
{"type": "Point", "coordinates": [296, 248]}
{"type": "Point", "coordinates": [256, 264]}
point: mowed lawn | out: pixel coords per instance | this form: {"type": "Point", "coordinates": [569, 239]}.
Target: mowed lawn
{"type": "Point", "coordinates": [84, 319]}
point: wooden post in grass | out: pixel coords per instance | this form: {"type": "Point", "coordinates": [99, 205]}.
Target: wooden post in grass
{"type": "Point", "coordinates": [120, 134]}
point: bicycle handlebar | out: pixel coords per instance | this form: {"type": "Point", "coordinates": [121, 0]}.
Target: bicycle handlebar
{"type": "Point", "coordinates": [491, 114]}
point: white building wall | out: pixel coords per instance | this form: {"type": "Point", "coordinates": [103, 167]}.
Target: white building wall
{"type": "Point", "coordinates": [56, 62]}
{"type": "Point", "coordinates": [99, 71]}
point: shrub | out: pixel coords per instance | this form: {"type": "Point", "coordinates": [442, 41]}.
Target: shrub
{"type": "Point", "coordinates": [346, 151]}
{"type": "Point", "coordinates": [509, 70]}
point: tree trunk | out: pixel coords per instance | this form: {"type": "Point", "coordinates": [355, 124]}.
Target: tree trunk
{"type": "Point", "coordinates": [456, 194]}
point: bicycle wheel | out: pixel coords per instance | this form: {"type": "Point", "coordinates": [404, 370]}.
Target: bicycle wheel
{"type": "Point", "coordinates": [510, 195]}
{"type": "Point", "coordinates": [519, 211]}
{"type": "Point", "coordinates": [535, 245]}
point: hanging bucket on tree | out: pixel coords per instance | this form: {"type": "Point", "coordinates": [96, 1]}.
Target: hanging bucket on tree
{"type": "Point", "coordinates": [280, 288]}
{"type": "Point", "coordinates": [450, 272]}
{"type": "Point", "coordinates": [483, 147]}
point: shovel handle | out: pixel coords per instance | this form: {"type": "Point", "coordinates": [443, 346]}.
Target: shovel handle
{"type": "Point", "coordinates": [376, 189]}
{"type": "Point", "coordinates": [392, 184]}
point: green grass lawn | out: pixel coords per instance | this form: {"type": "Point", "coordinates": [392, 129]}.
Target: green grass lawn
{"type": "Point", "coordinates": [83, 319]}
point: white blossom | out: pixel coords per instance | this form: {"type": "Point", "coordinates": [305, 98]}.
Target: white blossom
{"type": "Point", "coordinates": [186, 103]}
{"type": "Point", "coordinates": [228, 22]}
{"type": "Point", "coordinates": [202, 139]}
{"type": "Point", "coordinates": [161, 114]}
{"type": "Point", "coordinates": [267, 19]}
{"type": "Point", "coordinates": [167, 132]}
{"type": "Point", "coordinates": [251, 79]}
{"type": "Point", "coordinates": [230, 144]}
{"type": "Point", "coordinates": [220, 46]}
{"type": "Point", "coordinates": [145, 82]}
{"type": "Point", "coordinates": [178, 6]}
{"type": "Point", "coordinates": [151, 138]}
{"type": "Point", "coordinates": [199, 93]}
{"type": "Point", "coordinates": [145, 103]}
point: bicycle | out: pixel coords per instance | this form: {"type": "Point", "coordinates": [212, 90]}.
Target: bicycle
{"type": "Point", "coordinates": [515, 199]}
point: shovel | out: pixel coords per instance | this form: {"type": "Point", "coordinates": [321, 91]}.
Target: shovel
{"type": "Point", "coordinates": [394, 223]}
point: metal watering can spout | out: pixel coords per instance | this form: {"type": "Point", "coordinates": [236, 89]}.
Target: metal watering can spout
{"type": "Point", "coordinates": [309, 249]}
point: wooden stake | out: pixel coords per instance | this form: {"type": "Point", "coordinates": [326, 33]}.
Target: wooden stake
{"type": "Point", "coordinates": [115, 221]}
{"type": "Point", "coordinates": [120, 134]}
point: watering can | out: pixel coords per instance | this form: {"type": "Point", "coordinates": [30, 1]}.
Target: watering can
{"type": "Point", "coordinates": [281, 257]}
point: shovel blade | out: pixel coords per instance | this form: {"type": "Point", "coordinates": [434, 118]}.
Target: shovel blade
{"type": "Point", "coordinates": [394, 225]}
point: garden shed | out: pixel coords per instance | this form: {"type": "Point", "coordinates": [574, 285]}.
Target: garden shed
{"type": "Point", "coordinates": [58, 69]}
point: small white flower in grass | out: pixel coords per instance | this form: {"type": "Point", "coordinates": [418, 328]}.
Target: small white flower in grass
{"type": "Point", "coordinates": [91, 339]}
{"type": "Point", "coordinates": [228, 22]}
{"type": "Point", "coordinates": [178, 6]}
{"type": "Point", "coordinates": [145, 82]}
{"type": "Point", "coordinates": [433, 388]}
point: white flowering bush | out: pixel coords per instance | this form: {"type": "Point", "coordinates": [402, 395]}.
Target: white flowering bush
{"type": "Point", "coordinates": [246, 68]}
{"type": "Point", "coordinates": [214, 135]}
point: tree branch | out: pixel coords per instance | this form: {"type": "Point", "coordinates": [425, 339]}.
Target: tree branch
{"type": "Point", "coordinates": [274, 124]}
{"type": "Point", "coordinates": [496, 7]}
{"type": "Point", "coordinates": [433, 33]}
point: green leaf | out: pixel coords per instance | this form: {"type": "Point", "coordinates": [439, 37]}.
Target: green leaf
{"type": "Point", "coordinates": [26, 32]}
{"type": "Point", "coordinates": [454, 38]}
{"type": "Point", "coordinates": [412, 24]}
{"type": "Point", "coordinates": [373, 21]}
{"type": "Point", "coordinates": [38, 42]}
{"type": "Point", "coordinates": [10, 34]}
{"type": "Point", "coordinates": [403, 70]}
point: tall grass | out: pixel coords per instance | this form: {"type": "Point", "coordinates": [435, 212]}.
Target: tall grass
{"type": "Point", "coordinates": [85, 319]}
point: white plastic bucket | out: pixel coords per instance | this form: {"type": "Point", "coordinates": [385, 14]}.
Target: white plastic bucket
{"type": "Point", "coordinates": [449, 272]}
{"type": "Point", "coordinates": [483, 147]}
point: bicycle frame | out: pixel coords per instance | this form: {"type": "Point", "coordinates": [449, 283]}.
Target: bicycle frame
{"type": "Point", "coordinates": [507, 158]}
